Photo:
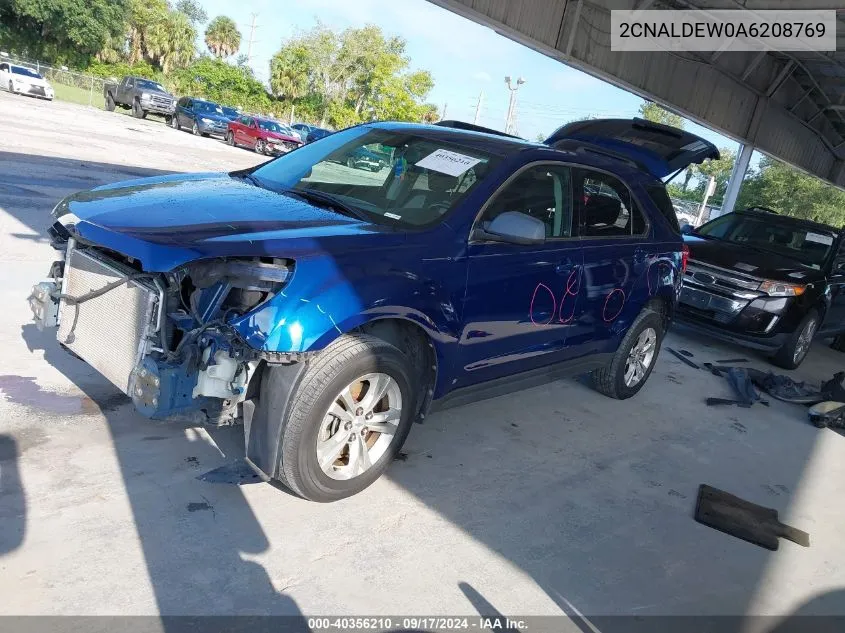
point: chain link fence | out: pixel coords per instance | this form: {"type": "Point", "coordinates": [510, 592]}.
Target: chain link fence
{"type": "Point", "coordinates": [68, 85]}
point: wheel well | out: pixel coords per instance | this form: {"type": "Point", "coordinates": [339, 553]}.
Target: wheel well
{"type": "Point", "coordinates": [417, 346]}
{"type": "Point", "coordinates": [661, 306]}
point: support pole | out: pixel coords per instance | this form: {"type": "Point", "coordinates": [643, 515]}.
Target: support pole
{"type": "Point", "coordinates": [737, 176]}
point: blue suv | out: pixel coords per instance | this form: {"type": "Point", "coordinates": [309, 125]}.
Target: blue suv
{"type": "Point", "coordinates": [329, 307]}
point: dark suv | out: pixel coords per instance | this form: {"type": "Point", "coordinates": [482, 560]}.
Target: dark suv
{"type": "Point", "coordinates": [765, 281]}
{"type": "Point", "coordinates": [330, 307]}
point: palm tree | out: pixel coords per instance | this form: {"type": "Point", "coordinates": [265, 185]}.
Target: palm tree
{"type": "Point", "coordinates": [289, 73]}
{"type": "Point", "coordinates": [222, 37]}
{"type": "Point", "coordinates": [169, 41]}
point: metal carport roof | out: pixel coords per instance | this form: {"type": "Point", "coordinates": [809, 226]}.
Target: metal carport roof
{"type": "Point", "coordinates": [788, 105]}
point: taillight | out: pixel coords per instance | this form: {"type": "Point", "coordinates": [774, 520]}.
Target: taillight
{"type": "Point", "coordinates": [684, 258]}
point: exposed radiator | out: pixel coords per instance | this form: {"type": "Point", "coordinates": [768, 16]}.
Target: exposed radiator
{"type": "Point", "coordinates": [109, 332]}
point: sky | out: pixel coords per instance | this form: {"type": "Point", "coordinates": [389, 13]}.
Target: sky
{"type": "Point", "coordinates": [464, 58]}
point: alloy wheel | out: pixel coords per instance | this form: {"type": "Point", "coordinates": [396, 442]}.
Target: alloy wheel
{"type": "Point", "coordinates": [640, 357]}
{"type": "Point", "coordinates": [805, 339]}
{"type": "Point", "coordinates": [359, 426]}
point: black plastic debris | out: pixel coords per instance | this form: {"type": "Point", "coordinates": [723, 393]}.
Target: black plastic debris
{"type": "Point", "coordinates": [715, 402]}
{"type": "Point", "coordinates": [745, 520]}
{"type": "Point", "coordinates": [733, 360]}
{"type": "Point", "coordinates": [238, 473]}
{"type": "Point", "coordinates": [681, 357]}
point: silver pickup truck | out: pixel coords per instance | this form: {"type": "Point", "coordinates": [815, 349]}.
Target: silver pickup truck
{"type": "Point", "coordinates": [141, 95]}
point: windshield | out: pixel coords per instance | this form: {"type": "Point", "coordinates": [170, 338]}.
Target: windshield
{"type": "Point", "coordinates": [146, 84]}
{"type": "Point", "coordinates": [417, 183]}
{"type": "Point", "coordinates": [809, 246]}
{"type": "Point", "coordinates": [204, 107]}
{"type": "Point", "coordinates": [229, 112]}
{"type": "Point", "coordinates": [26, 72]}
{"type": "Point", "coordinates": [271, 126]}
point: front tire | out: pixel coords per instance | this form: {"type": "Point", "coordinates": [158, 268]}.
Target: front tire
{"type": "Point", "coordinates": [634, 360]}
{"type": "Point", "coordinates": [195, 130]}
{"type": "Point", "coordinates": [260, 147]}
{"type": "Point", "coordinates": [350, 416]}
{"type": "Point", "coordinates": [230, 138]}
{"type": "Point", "coordinates": [797, 346]}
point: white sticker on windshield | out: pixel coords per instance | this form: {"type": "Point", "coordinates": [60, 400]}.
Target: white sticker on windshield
{"type": "Point", "coordinates": [393, 216]}
{"type": "Point", "coordinates": [447, 162]}
{"type": "Point", "coordinates": [819, 238]}
{"type": "Point", "coordinates": [796, 275]}
{"type": "Point", "coordinates": [746, 267]}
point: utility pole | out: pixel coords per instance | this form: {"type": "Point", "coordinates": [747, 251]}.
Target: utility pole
{"type": "Point", "coordinates": [251, 40]}
{"type": "Point", "coordinates": [510, 120]}
{"type": "Point", "coordinates": [478, 107]}
{"type": "Point", "coordinates": [445, 105]}
{"type": "Point", "coordinates": [709, 191]}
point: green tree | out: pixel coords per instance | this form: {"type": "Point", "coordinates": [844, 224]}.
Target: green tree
{"type": "Point", "coordinates": [169, 41]}
{"type": "Point", "coordinates": [224, 83]}
{"type": "Point", "coordinates": [196, 14]}
{"type": "Point", "coordinates": [720, 170]}
{"type": "Point", "coordinates": [792, 192]}
{"type": "Point", "coordinates": [69, 31]}
{"type": "Point", "coordinates": [222, 37]}
{"type": "Point", "coordinates": [359, 74]}
{"type": "Point", "coordinates": [653, 112]}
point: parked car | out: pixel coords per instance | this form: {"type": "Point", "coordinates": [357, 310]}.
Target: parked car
{"type": "Point", "coordinates": [262, 135]}
{"type": "Point", "coordinates": [765, 281]}
{"type": "Point", "coordinates": [316, 133]}
{"type": "Point", "coordinates": [201, 117]}
{"type": "Point", "coordinates": [140, 95]}
{"type": "Point", "coordinates": [24, 81]}
{"type": "Point", "coordinates": [329, 314]}
{"type": "Point", "coordinates": [364, 158]}
{"type": "Point", "coordinates": [301, 129]}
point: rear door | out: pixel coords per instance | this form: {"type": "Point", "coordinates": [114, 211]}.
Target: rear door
{"type": "Point", "coordinates": [521, 298]}
{"type": "Point", "coordinates": [656, 148]}
{"type": "Point", "coordinates": [617, 253]}
{"type": "Point", "coordinates": [124, 91]}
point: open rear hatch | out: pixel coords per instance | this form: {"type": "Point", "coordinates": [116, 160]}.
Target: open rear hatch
{"type": "Point", "coordinates": [658, 149]}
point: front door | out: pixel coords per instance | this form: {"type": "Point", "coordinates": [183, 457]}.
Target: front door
{"type": "Point", "coordinates": [617, 261]}
{"type": "Point", "coordinates": [521, 299]}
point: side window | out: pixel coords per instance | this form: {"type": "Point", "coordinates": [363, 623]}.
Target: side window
{"type": "Point", "coordinates": [189, 103]}
{"type": "Point", "coordinates": [542, 192]}
{"type": "Point", "coordinates": [607, 208]}
{"type": "Point", "coordinates": [244, 120]}
{"type": "Point", "coordinates": [4, 68]}
{"type": "Point", "coordinates": [129, 82]}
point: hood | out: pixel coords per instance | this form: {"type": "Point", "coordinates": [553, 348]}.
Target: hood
{"type": "Point", "coordinates": [214, 116]}
{"type": "Point", "coordinates": [32, 81]}
{"type": "Point", "coordinates": [282, 137]}
{"type": "Point", "coordinates": [750, 262]}
{"type": "Point", "coordinates": [170, 220]}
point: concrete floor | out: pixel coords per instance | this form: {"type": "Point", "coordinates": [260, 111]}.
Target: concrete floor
{"type": "Point", "coordinates": [554, 500]}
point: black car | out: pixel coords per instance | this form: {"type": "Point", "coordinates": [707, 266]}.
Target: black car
{"type": "Point", "coordinates": [316, 133]}
{"type": "Point", "coordinates": [765, 281]}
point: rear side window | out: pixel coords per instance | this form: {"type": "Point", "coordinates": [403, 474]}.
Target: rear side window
{"type": "Point", "coordinates": [607, 207]}
{"type": "Point", "coordinates": [661, 200]}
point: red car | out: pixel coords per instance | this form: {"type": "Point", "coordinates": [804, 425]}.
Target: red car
{"type": "Point", "coordinates": [262, 135]}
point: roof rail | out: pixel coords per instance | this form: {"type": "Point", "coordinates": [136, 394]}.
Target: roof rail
{"type": "Point", "coordinates": [471, 127]}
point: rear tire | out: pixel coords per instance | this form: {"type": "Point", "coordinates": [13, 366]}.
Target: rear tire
{"type": "Point", "coordinates": [797, 346]}
{"type": "Point", "coordinates": [838, 343]}
{"type": "Point", "coordinates": [333, 372]}
{"type": "Point", "coordinates": [137, 110]}
{"type": "Point", "coordinates": [611, 380]}
{"type": "Point", "coordinates": [109, 102]}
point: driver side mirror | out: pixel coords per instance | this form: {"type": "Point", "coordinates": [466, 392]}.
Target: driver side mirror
{"type": "Point", "coordinates": [687, 229]}
{"type": "Point", "coordinates": [514, 227]}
